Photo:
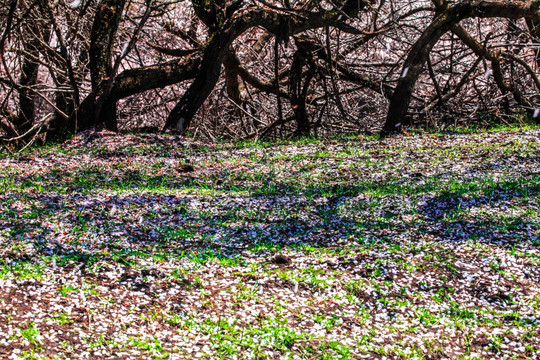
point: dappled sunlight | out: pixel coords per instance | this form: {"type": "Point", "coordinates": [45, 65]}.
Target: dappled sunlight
{"type": "Point", "coordinates": [348, 248]}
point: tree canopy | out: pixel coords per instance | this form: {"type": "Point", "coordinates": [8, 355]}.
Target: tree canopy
{"type": "Point", "coordinates": [253, 68]}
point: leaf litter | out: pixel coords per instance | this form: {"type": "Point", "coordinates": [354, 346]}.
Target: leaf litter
{"type": "Point", "coordinates": [151, 246]}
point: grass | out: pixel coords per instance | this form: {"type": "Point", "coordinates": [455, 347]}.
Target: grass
{"type": "Point", "coordinates": [390, 241]}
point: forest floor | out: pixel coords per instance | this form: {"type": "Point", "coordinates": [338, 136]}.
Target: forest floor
{"type": "Point", "coordinates": [414, 247]}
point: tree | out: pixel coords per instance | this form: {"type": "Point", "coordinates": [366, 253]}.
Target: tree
{"type": "Point", "coordinates": [447, 19]}
{"type": "Point", "coordinates": [261, 68]}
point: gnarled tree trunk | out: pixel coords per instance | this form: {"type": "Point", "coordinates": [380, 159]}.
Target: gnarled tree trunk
{"type": "Point", "coordinates": [419, 53]}
{"type": "Point", "coordinates": [104, 28]}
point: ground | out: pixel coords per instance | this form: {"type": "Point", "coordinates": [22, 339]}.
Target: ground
{"type": "Point", "coordinates": [420, 246]}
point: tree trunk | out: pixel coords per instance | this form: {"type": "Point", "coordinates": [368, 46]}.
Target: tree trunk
{"type": "Point", "coordinates": [180, 117]}
{"type": "Point", "coordinates": [419, 53]}
{"type": "Point", "coordinates": [298, 92]}
{"type": "Point", "coordinates": [29, 71]}
{"type": "Point", "coordinates": [104, 29]}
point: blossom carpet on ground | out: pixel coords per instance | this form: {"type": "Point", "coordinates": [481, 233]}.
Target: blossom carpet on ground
{"type": "Point", "coordinates": [159, 247]}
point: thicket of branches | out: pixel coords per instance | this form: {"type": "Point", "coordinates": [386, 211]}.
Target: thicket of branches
{"type": "Point", "coordinates": [254, 68]}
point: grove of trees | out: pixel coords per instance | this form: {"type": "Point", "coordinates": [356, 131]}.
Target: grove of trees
{"type": "Point", "coordinates": [254, 68]}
